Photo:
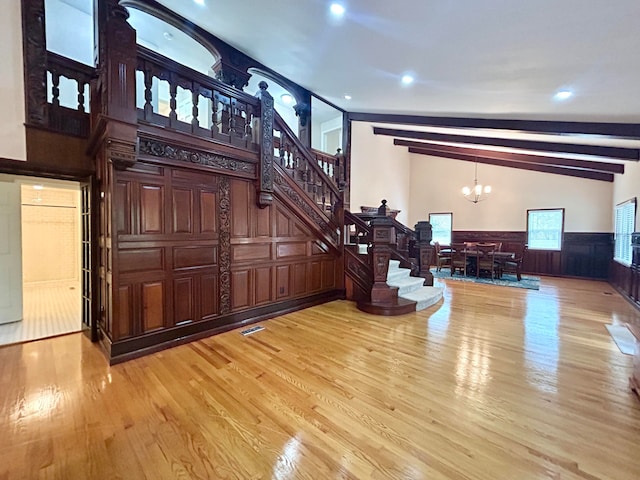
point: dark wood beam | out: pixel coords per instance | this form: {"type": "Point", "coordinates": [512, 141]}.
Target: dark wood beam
{"type": "Point", "coordinates": [617, 153]}
{"type": "Point", "coordinates": [571, 172]}
{"type": "Point", "coordinates": [618, 130]}
{"type": "Point", "coordinates": [519, 157]}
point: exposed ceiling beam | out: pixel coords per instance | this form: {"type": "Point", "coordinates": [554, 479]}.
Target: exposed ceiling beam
{"type": "Point", "coordinates": [618, 153]}
{"type": "Point", "coordinates": [571, 172]}
{"type": "Point", "coordinates": [617, 130]}
{"type": "Point", "coordinates": [519, 157]}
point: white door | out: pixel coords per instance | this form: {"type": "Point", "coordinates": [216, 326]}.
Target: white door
{"type": "Point", "coordinates": [10, 253]}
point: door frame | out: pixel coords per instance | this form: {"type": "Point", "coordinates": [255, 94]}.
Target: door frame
{"type": "Point", "coordinates": [90, 289]}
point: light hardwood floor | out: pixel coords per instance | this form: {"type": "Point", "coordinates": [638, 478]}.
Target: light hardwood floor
{"type": "Point", "coordinates": [492, 383]}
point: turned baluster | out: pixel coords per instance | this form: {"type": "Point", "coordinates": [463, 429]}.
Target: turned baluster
{"type": "Point", "coordinates": [80, 96]}
{"type": "Point", "coordinates": [214, 114]}
{"type": "Point", "coordinates": [55, 89]}
{"type": "Point", "coordinates": [232, 116]}
{"type": "Point", "coordinates": [195, 98]}
{"type": "Point", "coordinates": [173, 104]}
{"type": "Point", "coordinates": [148, 95]}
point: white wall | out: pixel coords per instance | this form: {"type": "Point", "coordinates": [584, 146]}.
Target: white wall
{"type": "Point", "coordinates": [378, 170]}
{"type": "Point", "coordinates": [436, 186]}
{"type": "Point", "coordinates": [419, 184]}
{"type": "Point", "coordinates": [12, 133]}
{"type": "Point", "coordinates": [627, 186]}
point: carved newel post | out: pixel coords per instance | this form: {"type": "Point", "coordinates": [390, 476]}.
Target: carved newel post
{"type": "Point", "coordinates": [426, 250]}
{"type": "Point", "coordinates": [265, 169]}
{"type": "Point", "coordinates": [383, 236]}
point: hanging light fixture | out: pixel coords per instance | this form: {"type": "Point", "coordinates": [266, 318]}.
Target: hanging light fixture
{"type": "Point", "coordinates": [478, 192]}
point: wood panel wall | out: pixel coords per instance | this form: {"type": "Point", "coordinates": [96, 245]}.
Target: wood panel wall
{"type": "Point", "coordinates": [626, 279]}
{"type": "Point", "coordinates": [585, 255]}
{"type": "Point", "coordinates": [192, 247]}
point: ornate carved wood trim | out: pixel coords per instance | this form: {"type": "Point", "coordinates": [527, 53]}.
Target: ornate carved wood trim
{"type": "Point", "coordinates": [164, 150]}
{"type": "Point", "coordinates": [224, 246]}
{"type": "Point", "coordinates": [303, 204]}
{"type": "Point", "coordinates": [35, 61]}
{"type": "Point", "coordinates": [121, 153]}
{"type": "Point", "coordinates": [265, 193]}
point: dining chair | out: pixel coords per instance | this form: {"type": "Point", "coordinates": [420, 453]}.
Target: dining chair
{"type": "Point", "coordinates": [486, 260]}
{"type": "Point", "coordinates": [443, 258]}
{"type": "Point", "coordinates": [514, 265]}
{"type": "Point", "coordinates": [459, 258]}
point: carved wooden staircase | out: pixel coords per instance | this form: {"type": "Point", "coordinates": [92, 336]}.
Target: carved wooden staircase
{"type": "Point", "coordinates": [379, 284]}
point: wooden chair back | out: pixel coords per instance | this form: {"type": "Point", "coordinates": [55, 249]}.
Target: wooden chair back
{"type": "Point", "coordinates": [459, 258]}
{"type": "Point", "coordinates": [486, 259]}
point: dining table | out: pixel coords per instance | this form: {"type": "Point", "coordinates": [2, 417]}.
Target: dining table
{"type": "Point", "coordinates": [499, 257]}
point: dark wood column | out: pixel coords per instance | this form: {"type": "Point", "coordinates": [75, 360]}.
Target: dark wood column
{"type": "Point", "coordinates": [425, 252]}
{"type": "Point", "coordinates": [265, 169]}
{"type": "Point", "coordinates": [113, 142]}
{"type": "Point", "coordinates": [383, 236]}
{"type": "Point", "coordinates": [35, 65]}
{"type": "Point", "coordinates": [303, 112]}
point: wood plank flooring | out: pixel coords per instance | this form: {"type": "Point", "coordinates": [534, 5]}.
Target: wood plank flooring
{"type": "Point", "coordinates": [492, 383]}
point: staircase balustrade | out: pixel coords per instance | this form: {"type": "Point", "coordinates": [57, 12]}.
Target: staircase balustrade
{"type": "Point", "coordinates": [385, 238]}
{"type": "Point", "coordinates": [404, 246]}
{"type": "Point", "coordinates": [303, 167]}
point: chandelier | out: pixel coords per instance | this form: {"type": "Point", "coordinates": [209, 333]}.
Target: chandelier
{"type": "Point", "coordinates": [478, 192]}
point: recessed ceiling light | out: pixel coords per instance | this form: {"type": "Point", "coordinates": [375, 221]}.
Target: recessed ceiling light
{"type": "Point", "coordinates": [407, 79]}
{"type": "Point", "coordinates": [167, 35]}
{"type": "Point", "coordinates": [198, 2]}
{"type": "Point", "coordinates": [563, 95]}
{"type": "Point", "coordinates": [337, 9]}
{"type": "Point", "coordinates": [38, 187]}
{"type": "Point", "coordinates": [347, 97]}
{"type": "Point", "coordinates": [286, 98]}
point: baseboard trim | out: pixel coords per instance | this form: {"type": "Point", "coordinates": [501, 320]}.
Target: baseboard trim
{"type": "Point", "coordinates": [129, 349]}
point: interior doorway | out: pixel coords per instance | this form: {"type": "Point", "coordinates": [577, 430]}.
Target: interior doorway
{"type": "Point", "coordinates": [51, 259]}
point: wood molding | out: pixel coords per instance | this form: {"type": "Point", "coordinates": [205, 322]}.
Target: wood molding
{"type": "Point", "coordinates": [619, 130]}
{"type": "Point", "coordinates": [617, 153]}
{"type": "Point", "coordinates": [131, 348]}
{"type": "Point", "coordinates": [516, 157]}
{"type": "Point", "coordinates": [571, 172]}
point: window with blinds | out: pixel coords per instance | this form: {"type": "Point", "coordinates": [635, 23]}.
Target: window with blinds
{"type": "Point", "coordinates": [625, 221]}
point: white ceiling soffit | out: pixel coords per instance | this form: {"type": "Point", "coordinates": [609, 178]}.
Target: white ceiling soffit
{"type": "Point", "coordinates": [490, 59]}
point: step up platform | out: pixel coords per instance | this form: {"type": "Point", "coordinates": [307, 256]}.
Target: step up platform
{"type": "Point", "coordinates": [413, 296]}
{"type": "Point", "coordinates": [412, 288]}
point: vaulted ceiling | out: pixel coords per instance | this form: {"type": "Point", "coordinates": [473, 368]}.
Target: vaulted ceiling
{"type": "Point", "coordinates": [485, 73]}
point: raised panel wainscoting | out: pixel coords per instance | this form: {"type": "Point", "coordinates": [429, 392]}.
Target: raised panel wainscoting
{"type": "Point", "coordinates": [626, 279]}
{"type": "Point", "coordinates": [583, 254]}
{"type": "Point", "coordinates": [195, 255]}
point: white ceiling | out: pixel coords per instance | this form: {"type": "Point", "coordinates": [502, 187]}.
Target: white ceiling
{"type": "Point", "coordinates": [488, 59]}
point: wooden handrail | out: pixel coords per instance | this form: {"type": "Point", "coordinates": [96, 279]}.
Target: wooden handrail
{"type": "Point", "coordinates": [354, 219]}
{"type": "Point", "coordinates": [69, 68]}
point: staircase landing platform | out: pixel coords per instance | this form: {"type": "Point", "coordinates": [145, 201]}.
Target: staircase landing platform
{"type": "Point", "coordinates": [402, 307]}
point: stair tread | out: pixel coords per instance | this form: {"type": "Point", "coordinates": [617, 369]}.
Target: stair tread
{"type": "Point", "coordinates": [425, 296]}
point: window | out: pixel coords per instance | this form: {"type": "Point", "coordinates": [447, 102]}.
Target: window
{"type": "Point", "coordinates": [441, 227]}
{"type": "Point", "coordinates": [625, 221]}
{"type": "Point", "coordinates": [545, 228]}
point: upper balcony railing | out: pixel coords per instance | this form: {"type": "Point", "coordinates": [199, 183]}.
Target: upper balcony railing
{"type": "Point", "coordinates": [171, 95]}
{"type": "Point", "coordinates": [68, 95]}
